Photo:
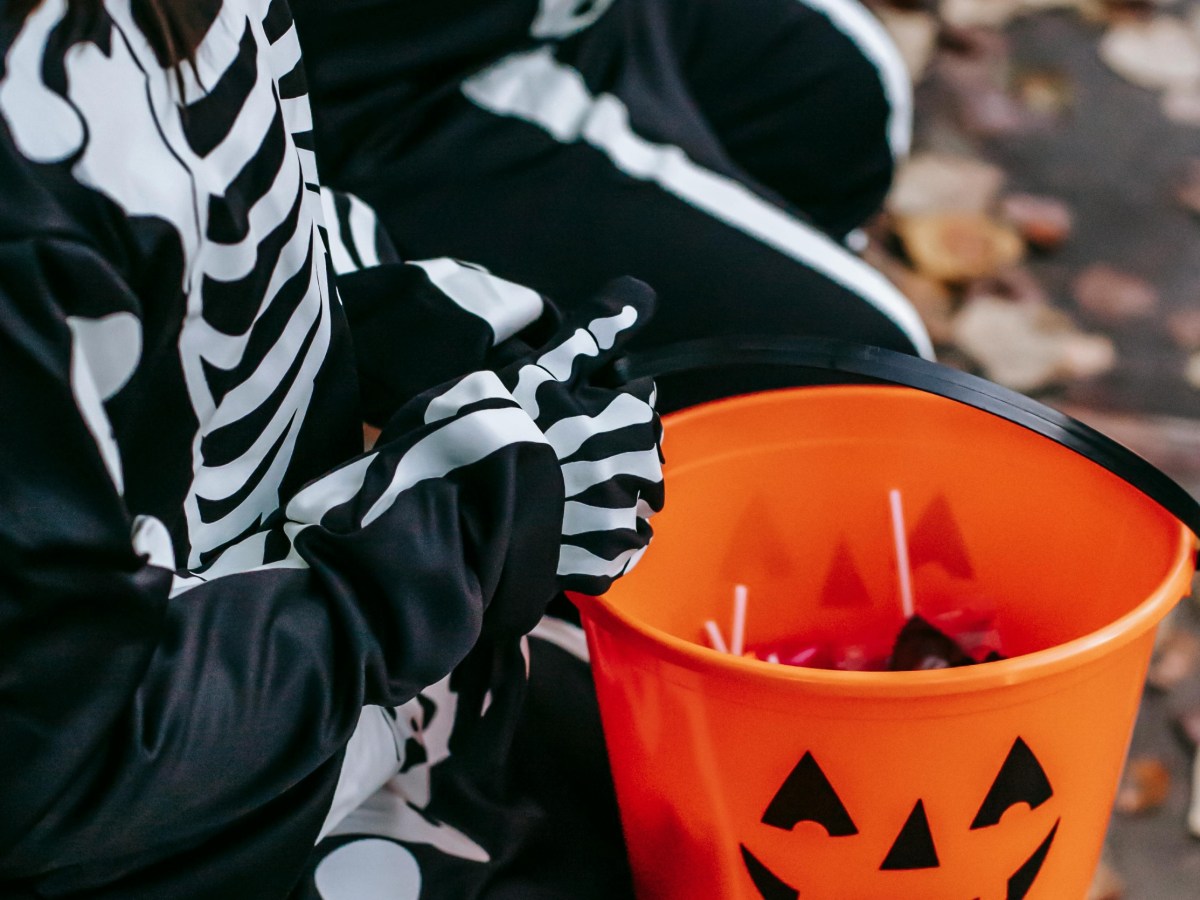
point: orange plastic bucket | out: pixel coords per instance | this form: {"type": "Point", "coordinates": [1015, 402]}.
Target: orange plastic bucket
{"type": "Point", "coordinates": [742, 779]}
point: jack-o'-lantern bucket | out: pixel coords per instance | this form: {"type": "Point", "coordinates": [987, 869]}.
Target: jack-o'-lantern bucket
{"type": "Point", "coordinates": [740, 778]}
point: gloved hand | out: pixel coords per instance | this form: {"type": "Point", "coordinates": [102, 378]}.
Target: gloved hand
{"type": "Point", "coordinates": [606, 438]}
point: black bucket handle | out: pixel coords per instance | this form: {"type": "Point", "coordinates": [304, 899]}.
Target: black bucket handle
{"type": "Point", "coordinates": [838, 361]}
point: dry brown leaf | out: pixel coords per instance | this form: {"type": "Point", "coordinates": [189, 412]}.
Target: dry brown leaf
{"type": "Point", "coordinates": [982, 46]}
{"type": "Point", "coordinates": [1144, 786]}
{"type": "Point", "coordinates": [1044, 222]}
{"type": "Point", "coordinates": [1028, 347]}
{"type": "Point", "coordinates": [1014, 283]}
{"type": "Point", "coordinates": [1158, 53]}
{"type": "Point", "coordinates": [978, 13]}
{"type": "Point", "coordinates": [1045, 94]}
{"type": "Point", "coordinates": [1193, 814]}
{"type": "Point", "coordinates": [1175, 660]}
{"type": "Point", "coordinates": [975, 68]}
{"type": "Point", "coordinates": [937, 182]}
{"type": "Point", "coordinates": [1191, 371]}
{"type": "Point", "coordinates": [914, 32]}
{"type": "Point", "coordinates": [1106, 884]}
{"type": "Point", "coordinates": [1182, 105]}
{"type": "Point", "coordinates": [992, 112]}
{"type": "Point", "coordinates": [1046, 5]}
{"type": "Point", "coordinates": [1184, 328]}
{"type": "Point", "coordinates": [1112, 296]}
{"type": "Point", "coordinates": [955, 247]}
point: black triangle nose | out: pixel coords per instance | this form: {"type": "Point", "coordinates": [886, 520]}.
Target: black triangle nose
{"type": "Point", "coordinates": [913, 847]}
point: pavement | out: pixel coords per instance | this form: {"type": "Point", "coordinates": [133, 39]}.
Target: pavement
{"type": "Point", "coordinates": [1115, 159]}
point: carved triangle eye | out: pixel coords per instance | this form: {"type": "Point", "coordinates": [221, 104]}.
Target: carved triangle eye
{"type": "Point", "coordinates": [1021, 780]}
{"type": "Point", "coordinates": [807, 796]}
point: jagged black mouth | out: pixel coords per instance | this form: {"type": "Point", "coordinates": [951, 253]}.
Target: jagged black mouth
{"type": "Point", "coordinates": [771, 887]}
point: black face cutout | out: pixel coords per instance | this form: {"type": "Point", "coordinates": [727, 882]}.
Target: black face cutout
{"type": "Point", "coordinates": [1021, 780]}
{"type": "Point", "coordinates": [807, 795]}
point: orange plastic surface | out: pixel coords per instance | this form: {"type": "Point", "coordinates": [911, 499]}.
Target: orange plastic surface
{"type": "Point", "coordinates": [742, 779]}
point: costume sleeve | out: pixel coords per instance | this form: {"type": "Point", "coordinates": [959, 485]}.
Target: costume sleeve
{"type": "Point", "coordinates": [420, 323]}
{"type": "Point", "coordinates": [144, 710]}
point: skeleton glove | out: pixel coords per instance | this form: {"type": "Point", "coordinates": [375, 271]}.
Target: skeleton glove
{"type": "Point", "coordinates": [607, 439]}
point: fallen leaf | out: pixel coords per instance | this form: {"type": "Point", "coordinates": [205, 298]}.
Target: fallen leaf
{"type": "Point", "coordinates": [1106, 884]}
{"type": "Point", "coordinates": [1014, 283]}
{"type": "Point", "coordinates": [1144, 786]}
{"type": "Point", "coordinates": [978, 13]}
{"type": "Point", "coordinates": [975, 68]}
{"type": "Point", "coordinates": [1191, 371]}
{"type": "Point", "coordinates": [1182, 105]}
{"type": "Point", "coordinates": [1116, 11]}
{"type": "Point", "coordinates": [937, 182]}
{"type": "Point", "coordinates": [992, 112]}
{"type": "Point", "coordinates": [1028, 347]}
{"type": "Point", "coordinates": [914, 32]}
{"type": "Point", "coordinates": [1184, 328]}
{"type": "Point", "coordinates": [985, 47]}
{"type": "Point", "coordinates": [1044, 222]}
{"type": "Point", "coordinates": [1112, 296]}
{"type": "Point", "coordinates": [1046, 5]}
{"type": "Point", "coordinates": [1193, 815]}
{"type": "Point", "coordinates": [955, 247]}
{"type": "Point", "coordinates": [1175, 659]}
{"type": "Point", "coordinates": [1159, 53]}
{"type": "Point", "coordinates": [1045, 94]}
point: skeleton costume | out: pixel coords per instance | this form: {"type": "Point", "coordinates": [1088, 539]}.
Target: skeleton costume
{"type": "Point", "coordinates": [217, 614]}
{"type": "Point", "coordinates": [719, 149]}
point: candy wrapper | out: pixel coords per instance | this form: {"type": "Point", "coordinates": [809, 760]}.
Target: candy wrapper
{"type": "Point", "coordinates": [961, 637]}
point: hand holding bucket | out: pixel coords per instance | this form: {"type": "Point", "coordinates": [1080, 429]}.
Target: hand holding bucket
{"type": "Point", "coordinates": [742, 779]}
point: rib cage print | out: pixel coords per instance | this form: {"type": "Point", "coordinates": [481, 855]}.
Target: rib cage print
{"type": "Point", "coordinates": [235, 175]}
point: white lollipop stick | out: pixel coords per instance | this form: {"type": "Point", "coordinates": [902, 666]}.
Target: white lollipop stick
{"type": "Point", "coordinates": [714, 636]}
{"type": "Point", "coordinates": [901, 540]}
{"type": "Point", "coordinates": [737, 642]}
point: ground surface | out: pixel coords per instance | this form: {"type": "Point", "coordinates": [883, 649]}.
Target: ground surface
{"type": "Point", "coordinates": [1114, 159]}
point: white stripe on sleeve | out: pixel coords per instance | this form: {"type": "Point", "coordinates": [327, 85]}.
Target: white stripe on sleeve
{"type": "Point", "coordinates": [535, 87]}
{"type": "Point", "coordinates": [856, 22]}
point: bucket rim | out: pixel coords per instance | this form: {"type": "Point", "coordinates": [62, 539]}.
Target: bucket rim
{"type": "Point", "coordinates": [842, 362]}
{"type": "Point", "coordinates": [1016, 670]}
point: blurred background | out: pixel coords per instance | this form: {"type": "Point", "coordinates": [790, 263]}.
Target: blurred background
{"type": "Point", "coordinates": [1047, 226]}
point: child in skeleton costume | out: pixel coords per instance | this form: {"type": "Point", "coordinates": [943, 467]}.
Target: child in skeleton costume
{"type": "Point", "coordinates": [209, 591]}
{"type": "Point", "coordinates": [722, 150]}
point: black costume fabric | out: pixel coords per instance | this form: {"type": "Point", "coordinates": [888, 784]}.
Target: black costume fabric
{"type": "Point", "coordinates": [718, 149]}
{"type": "Point", "coordinates": [207, 587]}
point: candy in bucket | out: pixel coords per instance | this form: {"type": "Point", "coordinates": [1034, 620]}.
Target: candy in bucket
{"type": "Point", "coordinates": [962, 634]}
